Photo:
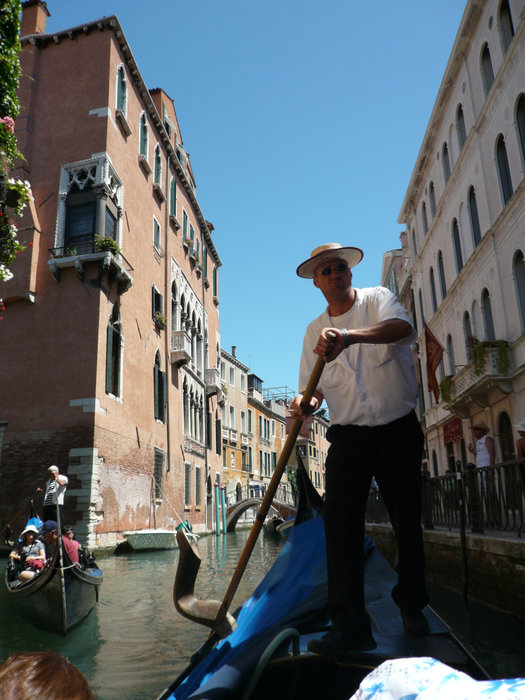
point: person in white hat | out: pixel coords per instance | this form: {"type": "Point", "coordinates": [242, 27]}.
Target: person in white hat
{"type": "Point", "coordinates": [369, 384]}
{"type": "Point", "coordinates": [55, 488]}
{"type": "Point", "coordinates": [29, 553]}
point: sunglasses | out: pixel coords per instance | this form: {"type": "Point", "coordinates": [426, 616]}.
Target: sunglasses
{"type": "Point", "coordinates": [339, 267]}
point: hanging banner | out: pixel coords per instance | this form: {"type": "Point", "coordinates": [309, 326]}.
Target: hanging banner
{"type": "Point", "coordinates": [434, 352]}
{"type": "Point", "coordinates": [453, 430]}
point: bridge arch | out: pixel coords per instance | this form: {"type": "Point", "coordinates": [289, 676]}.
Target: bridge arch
{"type": "Point", "coordinates": [234, 512]}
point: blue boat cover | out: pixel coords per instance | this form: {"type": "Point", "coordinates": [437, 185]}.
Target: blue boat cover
{"type": "Point", "coordinates": [292, 594]}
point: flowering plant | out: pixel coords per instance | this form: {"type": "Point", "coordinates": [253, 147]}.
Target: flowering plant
{"type": "Point", "coordinates": [18, 194]}
{"type": "Point", "coordinates": [10, 246]}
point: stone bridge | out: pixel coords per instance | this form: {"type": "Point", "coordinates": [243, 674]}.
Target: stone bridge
{"type": "Point", "coordinates": [235, 510]}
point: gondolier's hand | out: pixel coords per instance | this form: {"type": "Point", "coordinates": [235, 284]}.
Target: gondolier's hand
{"type": "Point", "coordinates": [332, 341]}
{"type": "Point", "coordinates": [297, 410]}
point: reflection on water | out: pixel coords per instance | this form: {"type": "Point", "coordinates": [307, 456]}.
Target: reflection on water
{"type": "Point", "coordinates": [134, 643]}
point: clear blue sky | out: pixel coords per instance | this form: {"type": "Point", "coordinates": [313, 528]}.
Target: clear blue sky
{"type": "Point", "coordinates": [303, 120]}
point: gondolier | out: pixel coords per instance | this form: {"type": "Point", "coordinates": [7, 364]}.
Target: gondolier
{"type": "Point", "coordinates": [370, 387]}
{"type": "Point", "coordinates": [55, 488]}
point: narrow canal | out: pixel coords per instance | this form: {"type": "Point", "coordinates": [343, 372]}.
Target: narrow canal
{"type": "Point", "coordinates": [134, 643]}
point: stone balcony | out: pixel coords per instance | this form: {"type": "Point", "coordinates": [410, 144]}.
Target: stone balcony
{"type": "Point", "coordinates": [474, 384]}
{"type": "Point", "coordinates": [180, 348]}
{"type": "Point", "coordinates": [212, 379]}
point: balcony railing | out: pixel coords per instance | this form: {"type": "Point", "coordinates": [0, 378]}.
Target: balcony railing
{"type": "Point", "coordinates": [493, 498]}
{"type": "Point", "coordinates": [87, 250]}
{"type": "Point", "coordinates": [212, 378]}
{"type": "Point", "coordinates": [473, 382]}
{"type": "Point", "coordinates": [180, 347]}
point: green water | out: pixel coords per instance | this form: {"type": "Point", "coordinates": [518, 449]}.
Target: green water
{"type": "Point", "coordinates": [134, 644]}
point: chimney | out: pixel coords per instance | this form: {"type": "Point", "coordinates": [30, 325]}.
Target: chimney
{"type": "Point", "coordinates": [234, 351]}
{"type": "Point", "coordinates": [34, 17]}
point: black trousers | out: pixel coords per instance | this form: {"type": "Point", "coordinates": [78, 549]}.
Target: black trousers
{"type": "Point", "coordinates": [392, 454]}
{"type": "Point", "coordinates": [50, 513]}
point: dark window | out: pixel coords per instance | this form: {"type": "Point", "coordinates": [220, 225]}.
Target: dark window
{"type": "Point", "coordinates": [504, 170]}
{"type": "Point", "coordinates": [80, 223]}
{"type": "Point", "coordinates": [113, 355]}
{"type": "Point", "coordinates": [156, 302]}
{"type": "Point", "coordinates": [460, 127]}
{"type": "Point", "coordinates": [121, 90]}
{"type": "Point", "coordinates": [457, 246]}
{"type": "Point", "coordinates": [467, 333]}
{"type": "Point", "coordinates": [159, 384]}
{"type": "Point", "coordinates": [506, 28]}
{"type": "Point", "coordinates": [218, 436]}
{"type": "Point", "coordinates": [487, 74]}
{"type": "Point", "coordinates": [519, 276]}
{"type": "Point", "coordinates": [433, 290]}
{"type": "Point", "coordinates": [424, 217]}
{"type": "Point", "coordinates": [488, 320]}
{"type": "Point", "coordinates": [158, 472]}
{"type": "Point", "coordinates": [474, 218]}
{"type": "Point", "coordinates": [432, 199]}
{"type": "Point", "coordinates": [446, 163]}
{"type": "Point", "coordinates": [520, 118]}
{"type": "Point", "coordinates": [441, 271]}
{"type": "Point", "coordinates": [143, 136]}
{"type": "Point", "coordinates": [110, 225]}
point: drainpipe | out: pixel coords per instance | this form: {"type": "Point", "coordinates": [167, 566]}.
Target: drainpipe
{"type": "Point", "coordinates": [217, 515]}
{"type": "Point", "coordinates": [167, 331]}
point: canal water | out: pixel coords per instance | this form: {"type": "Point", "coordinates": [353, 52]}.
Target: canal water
{"type": "Point", "coordinates": [134, 643]}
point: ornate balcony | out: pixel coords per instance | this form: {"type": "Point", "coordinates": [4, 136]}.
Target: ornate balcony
{"type": "Point", "coordinates": [180, 348]}
{"type": "Point", "coordinates": [474, 382]}
{"type": "Point", "coordinates": [212, 378]}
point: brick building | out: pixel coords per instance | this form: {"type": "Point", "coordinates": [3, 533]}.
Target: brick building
{"type": "Point", "coordinates": [110, 343]}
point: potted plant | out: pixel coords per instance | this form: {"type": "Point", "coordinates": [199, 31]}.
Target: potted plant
{"type": "Point", "coordinates": [502, 356]}
{"type": "Point", "coordinates": [479, 357]}
{"type": "Point", "coordinates": [160, 319]}
{"type": "Point", "coordinates": [104, 243]}
{"type": "Point", "coordinates": [445, 387]}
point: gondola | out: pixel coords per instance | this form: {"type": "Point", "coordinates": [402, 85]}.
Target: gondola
{"type": "Point", "coordinates": [59, 597]}
{"type": "Point", "coordinates": [266, 656]}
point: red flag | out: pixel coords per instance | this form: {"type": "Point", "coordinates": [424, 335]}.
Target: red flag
{"type": "Point", "coordinates": [434, 353]}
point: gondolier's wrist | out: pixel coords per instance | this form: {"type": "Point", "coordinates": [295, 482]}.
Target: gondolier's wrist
{"type": "Point", "coordinates": [346, 337]}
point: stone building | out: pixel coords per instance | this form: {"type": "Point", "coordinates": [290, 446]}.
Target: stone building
{"type": "Point", "coordinates": [463, 268]}
{"type": "Point", "coordinates": [110, 342]}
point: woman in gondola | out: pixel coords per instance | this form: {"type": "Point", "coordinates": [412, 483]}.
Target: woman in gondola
{"type": "Point", "coordinates": [29, 553]}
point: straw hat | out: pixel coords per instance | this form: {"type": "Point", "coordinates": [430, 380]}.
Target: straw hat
{"type": "Point", "coordinates": [520, 427]}
{"type": "Point", "coordinates": [329, 251]}
{"type": "Point", "coordinates": [479, 425]}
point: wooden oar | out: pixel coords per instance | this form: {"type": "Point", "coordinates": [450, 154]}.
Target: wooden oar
{"type": "Point", "coordinates": [212, 613]}
{"type": "Point", "coordinates": [6, 529]}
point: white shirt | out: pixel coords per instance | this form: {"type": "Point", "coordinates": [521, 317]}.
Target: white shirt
{"type": "Point", "coordinates": [482, 453]}
{"type": "Point", "coordinates": [367, 384]}
{"type": "Point", "coordinates": [52, 487]}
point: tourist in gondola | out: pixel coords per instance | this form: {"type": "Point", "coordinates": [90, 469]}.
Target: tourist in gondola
{"type": "Point", "coordinates": [49, 533]}
{"type": "Point", "coordinates": [55, 489]}
{"type": "Point", "coordinates": [29, 554]}
{"type": "Point", "coordinates": [370, 387]}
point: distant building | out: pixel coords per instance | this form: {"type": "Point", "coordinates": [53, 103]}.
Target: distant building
{"type": "Point", "coordinates": [110, 343]}
{"type": "Point", "coordinates": [464, 212]}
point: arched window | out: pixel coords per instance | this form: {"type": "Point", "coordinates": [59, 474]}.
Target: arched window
{"type": "Point", "coordinates": [457, 246]}
{"type": "Point", "coordinates": [504, 170]}
{"type": "Point", "coordinates": [159, 389]}
{"type": "Point", "coordinates": [441, 271]}
{"type": "Point", "coordinates": [506, 28]}
{"type": "Point", "coordinates": [432, 199]}
{"type": "Point", "coordinates": [157, 171]}
{"type": "Point", "coordinates": [467, 334]}
{"type": "Point", "coordinates": [421, 312]}
{"type": "Point", "coordinates": [435, 463]}
{"type": "Point", "coordinates": [173, 197]}
{"type": "Point", "coordinates": [446, 163]}
{"type": "Point", "coordinates": [460, 127]}
{"type": "Point", "coordinates": [114, 355]}
{"type": "Point", "coordinates": [414, 242]}
{"type": "Point", "coordinates": [433, 290]}
{"type": "Point", "coordinates": [519, 281]}
{"type": "Point", "coordinates": [122, 90]}
{"type": "Point", "coordinates": [506, 443]}
{"type": "Point", "coordinates": [144, 136]}
{"type": "Point", "coordinates": [487, 74]}
{"type": "Point", "coordinates": [474, 217]}
{"type": "Point", "coordinates": [488, 321]}
{"type": "Point", "coordinates": [520, 121]}
{"type": "Point", "coordinates": [450, 355]}
{"type": "Point", "coordinates": [424, 217]}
